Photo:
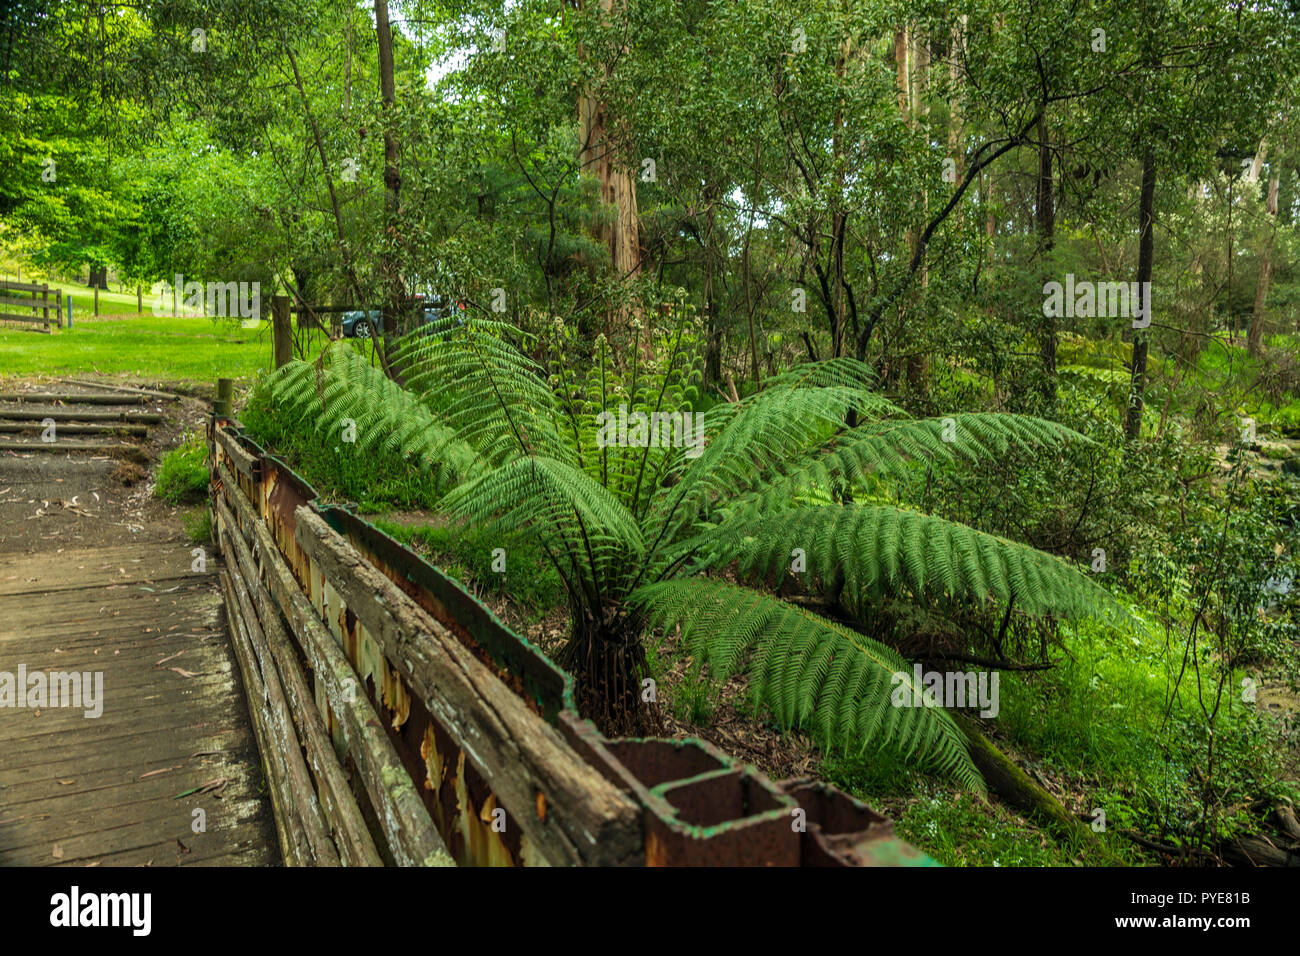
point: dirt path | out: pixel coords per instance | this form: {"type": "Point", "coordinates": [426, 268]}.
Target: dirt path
{"type": "Point", "coordinates": [98, 580]}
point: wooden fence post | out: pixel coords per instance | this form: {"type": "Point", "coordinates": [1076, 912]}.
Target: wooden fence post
{"type": "Point", "coordinates": [282, 329]}
{"type": "Point", "coordinates": [224, 406]}
{"type": "Point", "coordinates": [96, 301]}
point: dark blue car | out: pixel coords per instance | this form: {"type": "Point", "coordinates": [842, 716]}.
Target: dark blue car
{"type": "Point", "coordinates": [363, 323]}
{"type": "Point", "coordinates": [359, 324]}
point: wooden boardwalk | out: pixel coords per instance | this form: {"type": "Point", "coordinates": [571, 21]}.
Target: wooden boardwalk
{"type": "Point", "coordinates": [173, 738]}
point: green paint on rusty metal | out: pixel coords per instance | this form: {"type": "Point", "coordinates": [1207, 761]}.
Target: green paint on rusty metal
{"type": "Point", "coordinates": [782, 811]}
{"type": "Point", "coordinates": [889, 851]}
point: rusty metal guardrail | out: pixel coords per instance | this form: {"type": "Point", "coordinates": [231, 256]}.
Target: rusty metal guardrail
{"type": "Point", "coordinates": [402, 723]}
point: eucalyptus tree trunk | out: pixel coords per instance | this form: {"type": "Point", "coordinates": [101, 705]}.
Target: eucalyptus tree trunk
{"type": "Point", "coordinates": [901, 68]}
{"type": "Point", "coordinates": [1045, 217]}
{"type": "Point", "coordinates": [956, 117]}
{"type": "Point", "coordinates": [1146, 254]}
{"type": "Point", "coordinates": [918, 364]}
{"type": "Point", "coordinates": [601, 157]}
{"type": "Point", "coordinates": [1255, 339]}
{"type": "Point", "coordinates": [388, 265]}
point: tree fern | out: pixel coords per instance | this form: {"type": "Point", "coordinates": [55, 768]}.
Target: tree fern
{"type": "Point", "coordinates": [562, 505]}
{"type": "Point", "coordinates": [758, 439]}
{"type": "Point", "coordinates": [483, 387]}
{"type": "Point", "coordinates": [635, 532]}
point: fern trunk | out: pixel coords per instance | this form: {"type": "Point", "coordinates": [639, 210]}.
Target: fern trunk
{"type": "Point", "coordinates": [608, 663]}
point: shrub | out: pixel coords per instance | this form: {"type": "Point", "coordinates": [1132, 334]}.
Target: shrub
{"type": "Point", "coordinates": [183, 473]}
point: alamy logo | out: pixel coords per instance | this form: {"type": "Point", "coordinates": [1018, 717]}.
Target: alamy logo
{"type": "Point", "coordinates": [74, 909]}
{"type": "Point", "coordinates": [55, 689]}
{"type": "Point", "coordinates": [223, 299]}
{"type": "Point", "coordinates": [656, 430]}
{"type": "Point", "coordinates": [1087, 300]}
{"type": "Point", "coordinates": [946, 689]}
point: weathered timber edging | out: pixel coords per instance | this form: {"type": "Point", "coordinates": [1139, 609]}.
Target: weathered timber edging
{"type": "Point", "coordinates": [580, 817]}
{"type": "Point", "coordinates": [406, 828]}
{"type": "Point", "coordinates": [63, 415]}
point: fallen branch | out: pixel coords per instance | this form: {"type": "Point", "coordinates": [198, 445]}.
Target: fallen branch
{"type": "Point", "coordinates": [1015, 788]}
{"type": "Point", "coordinates": [991, 662]}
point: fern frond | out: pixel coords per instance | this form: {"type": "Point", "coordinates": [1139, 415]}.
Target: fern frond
{"type": "Point", "coordinates": [810, 672]}
{"type": "Point", "coordinates": [843, 371]}
{"type": "Point", "coordinates": [496, 398]}
{"type": "Point", "coordinates": [388, 419]}
{"type": "Point", "coordinates": [880, 549]}
{"type": "Point", "coordinates": [560, 503]}
{"type": "Point", "coordinates": [755, 442]}
{"type": "Point", "coordinates": [885, 448]}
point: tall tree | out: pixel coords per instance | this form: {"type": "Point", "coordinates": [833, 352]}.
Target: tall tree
{"type": "Point", "coordinates": [388, 267]}
{"type": "Point", "coordinates": [1146, 258]}
{"type": "Point", "coordinates": [1255, 338]}
{"type": "Point", "coordinates": [604, 155]}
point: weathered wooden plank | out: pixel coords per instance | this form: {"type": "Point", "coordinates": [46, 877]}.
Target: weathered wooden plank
{"type": "Point", "coordinates": [586, 820]}
{"type": "Point", "coordinates": [41, 585]}
{"type": "Point", "coordinates": [280, 724]}
{"type": "Point", "coordinates": [408, 829]}
{"type": "Point", "coordinates": [105, 781]}
{"type": "Point", "coordinates": [135, 664]}
{"type": "Point", "coordinates": [115, 635]}
{"type": "Point", "coordinates": [127, 692]}
{"type": "Point", "coordinates": [163, 736]}
{"type": "Point", "coordinates": [65, 414]}
{"type": "Point", "coordinates": [14, 317]}
{"type": "Point", "coordinates": [24, 727]}
{"type": "Point", "coordinates": [293, 841]}
{"type": "Point", "coordinates": [38, 303]}
{"type": "Point", "coordinates": [134, 452]}
{"type": "Point", "coordinates": [75, 398]}
{"type": "Point", "coordinates": [113, 631]}
{"type": "Point", "coordinates": [87, 846]}
{"type": "Point", "coordinates": [355, 845]}
{"type": "Point", "coordinates": [140, 750]}
{"type": "Point", "coordinates": [240, 845]}
{"type": "Point", "coordinates": [129, 389]}
{"type": "Point", "coordinates": [245, 463]}
{"type": "Point", "coordinates": [10, 286]}
{"type": "Point", "coordinates": [116, 606]}
{"type": "Point", "coordinates": [37, 822]}
{"type": "Point", "coordinates": [76, 428]}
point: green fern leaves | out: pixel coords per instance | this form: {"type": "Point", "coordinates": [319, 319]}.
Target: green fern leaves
{"type": "Point", "coordinates": [881, 549]}
{"type": "Point", "coordinates": [810, 672]}
{"type": "Point", "coordinates": [386, 418]}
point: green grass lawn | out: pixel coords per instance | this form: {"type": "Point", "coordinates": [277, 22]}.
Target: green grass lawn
{"type": "Point", "coordinates": [151, 347]}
